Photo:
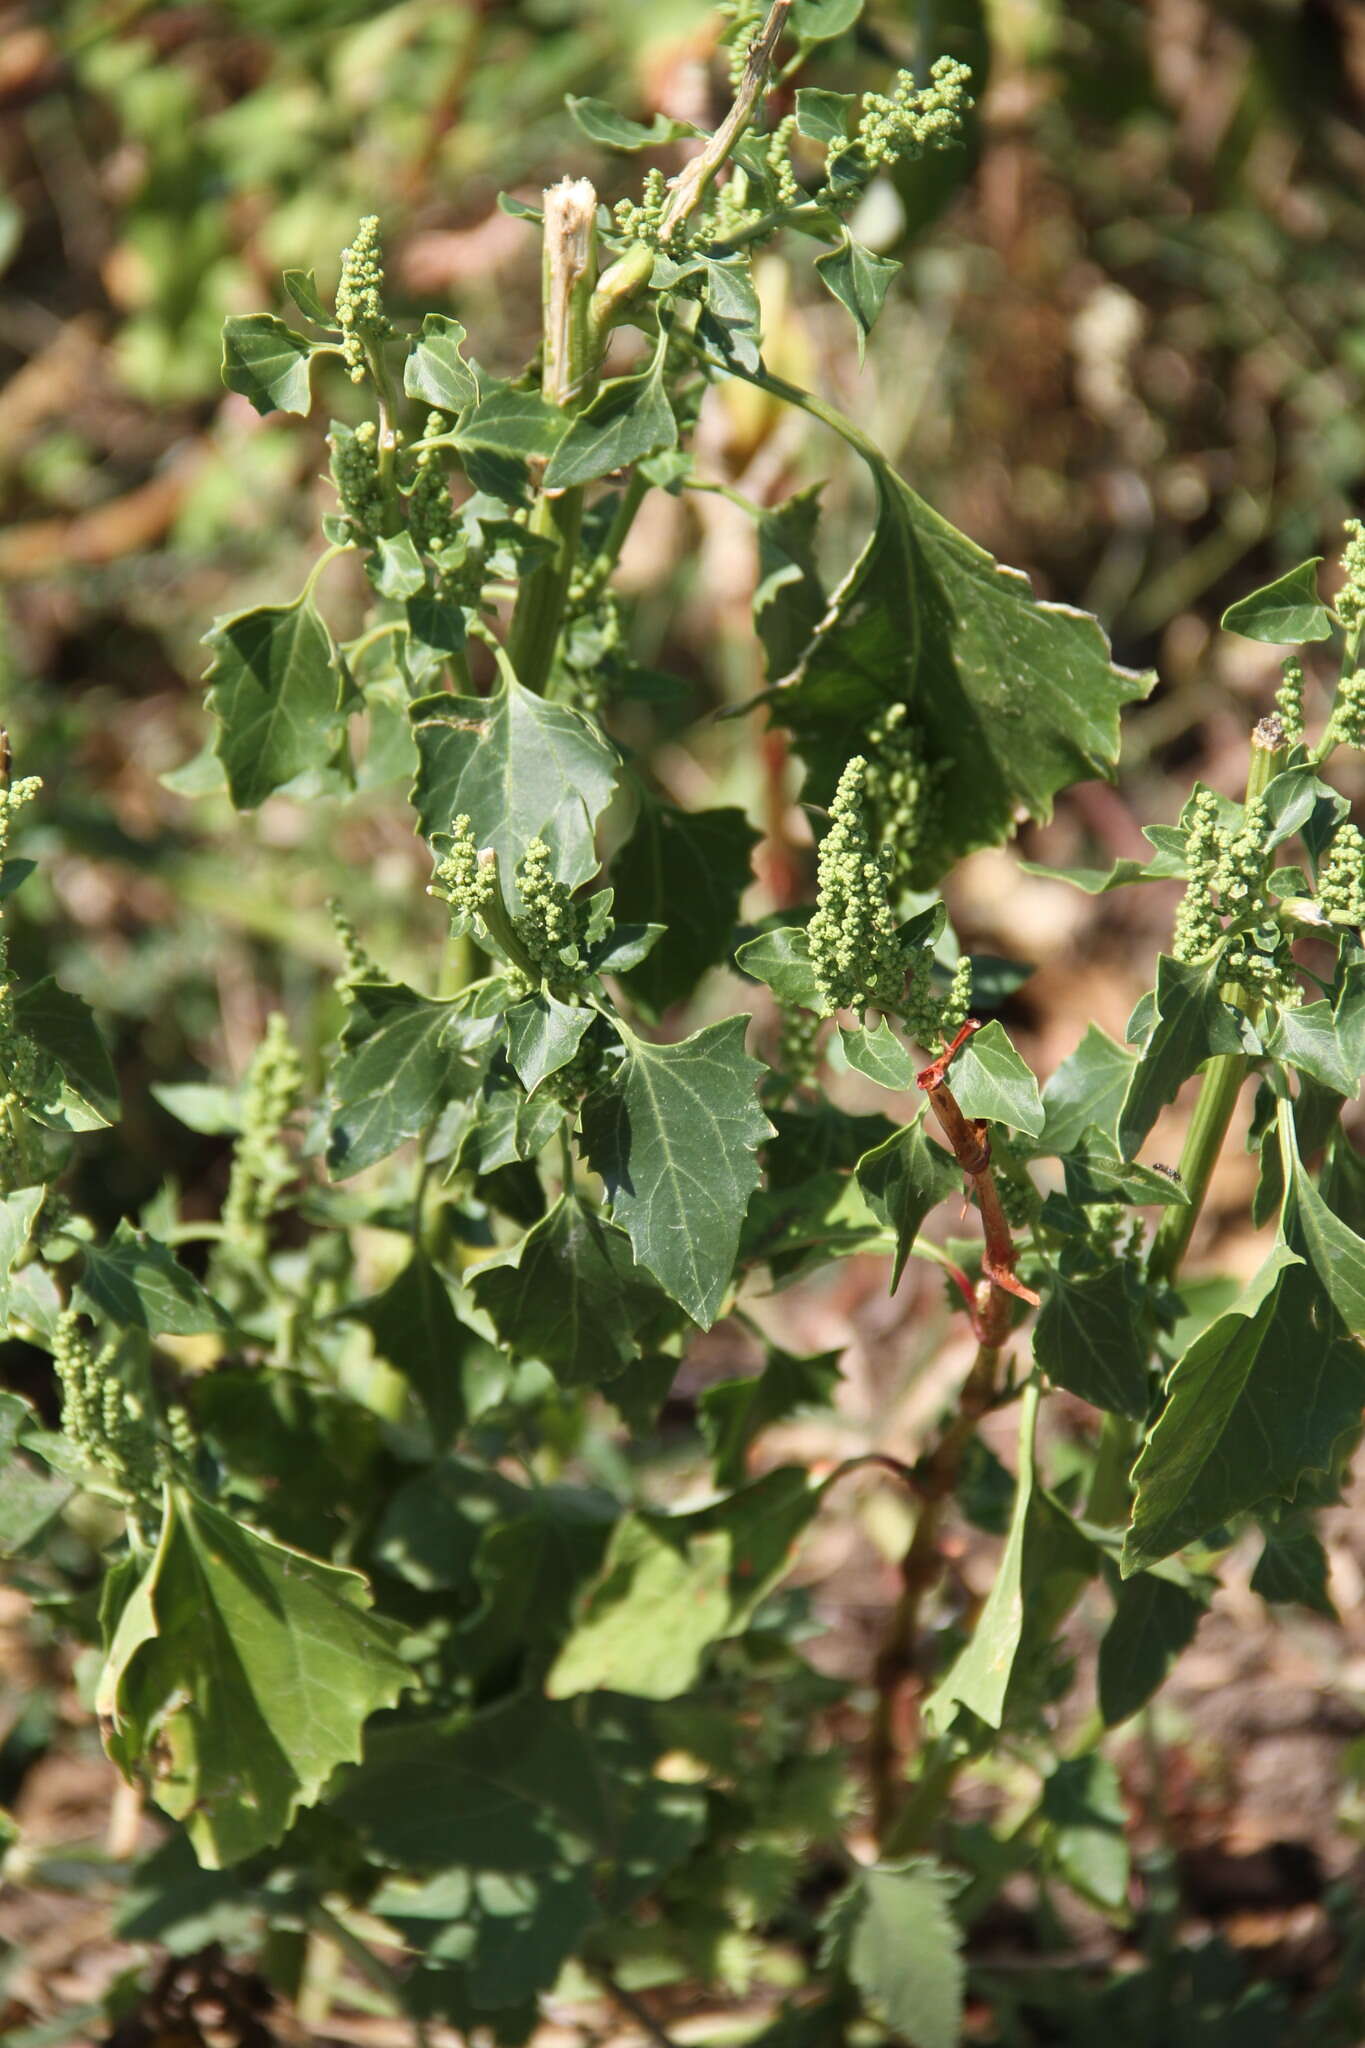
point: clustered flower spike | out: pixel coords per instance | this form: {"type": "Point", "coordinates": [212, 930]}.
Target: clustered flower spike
{"type": "Point", "coordinates": [911, 120]}
{"type": "Point", "coordinates": [21, 1063]}
{"type": "Point", "coordinates": [641, 223]}
{"type": "Point", "coordinates": [467, 883]}
{"type": "Point", "coordinates": [1346, 727]}
{"type": "Point", "coordinates": [355, 472]}
{"type": "Point", "coordinates": [798, 1049]}
{"type": "Point", "coordinates": [854, 950]}
{"type": "Point", "coordinates": [261, 1163]}
{"type": "Point", "coordinates": [1241, 867]}
{"type": "Point", "coordinates": [358, 964]}
{"type": "Point", "coordinates": [1350, 600]}
{"type": "Point", "coordinates": [1341, 886]}
{"type": "Point", "coordinates": [550, 926]}
{"type": "Point", "coordinates": [902, 788]}
{"type": "Point", "coordinates": [431, 516]}
{"type": "Point", "coordinates": [1289, 700]}
{"type": "Point", "coordinates": [102, 1418]}
{"type": "Point", "coordinates": [1198, 926]}
{"type": "Point", "coordinates": [360, 298]}
{"type": "Point", "coordinates": [789, 192]}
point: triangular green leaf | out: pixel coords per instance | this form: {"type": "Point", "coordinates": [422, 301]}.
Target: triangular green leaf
{"type": "Point", "coordinates": [879, 1055]}
{"type": "Point", "coordinates": [436, 371]}
{"type": "Point", "coordinates": [240, 1675]}
{"type": "Point", "coordinates": [1091, 1339]}
{"type": "Point", "coordinates": [1336, 1254]}
{"type": "Point", "coordinates": [520, 769]}
{"type": "Point", "coordinates": [789, 597]}
{"type": "Point", "coordinates": [278, 695]}
{"type": "Point", "coordinates": [1155, 1618]}
{"type": "Point", "coordinates": [1087, 1088]}
{"type": "Point", "coordinates": [904, 1179]}
{"type": "Point", "coordinates": [628, 419]}
{"type": "Point", "coordinates": [571, 1295]}
{"type": "Point", "coordinates": [1192, 1022]}
{"type": "Point", "coordinates": [1294, 1567]}
{"type": "Point", "coordinates": [686, 870]}
{"type": "Point", "coordinates": [79, 1090]}
{"type": "Point", "coordinates": [601, 123]}
{"type": "Point", "coordinates": [415, 1327]}
{"type": "Point", "coordinates": [781, 958]}
{"type": "Point", "coordinates": [1287, 612]}
{"type": "Point", "coordinates": [1016, 699]}
{"type": "Point", "coordinates": [141, 1285]}
{"type": "Point", "coordinates": [895, 1936]}
{"type": "Point", "coordinates": [991, 1081]}
{"type": "Point", "coordinates": [673, 1135]}
{"type": "Point", "coordinates": [403, 1057]}
{"type": "Point", "coordinates": [858, 279]}
{"type": "Point", "coordinates": [1261, 1398]}
{"type": "Point", "coordinates": [268, 362]}
{"type": "Point", "coordinates": [543, 1035]}
{"type": "Point", "coordinates": [734, 1412]}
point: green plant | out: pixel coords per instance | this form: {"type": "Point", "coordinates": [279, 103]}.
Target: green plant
{"type": "Point", "coordinates": [420, 1658]}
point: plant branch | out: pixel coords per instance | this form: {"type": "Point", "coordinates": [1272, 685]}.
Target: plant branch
{"type": "Point", "coordinates": [629, 2003]}
{"type": "Point", "coordinates": [568, 375]}
{"type": "Point", "coordinates": [692, 182]}
{"type": "Point", "coordinates": [935, 1478]}
{"type": "Point", "coordinates": [971, 1147]}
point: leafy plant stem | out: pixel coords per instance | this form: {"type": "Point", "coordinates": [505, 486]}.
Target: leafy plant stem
{"type": "Point", "coordinates": [935, 1478]}
{"type": "Point", "coordinates": [568, 378]}
{"type": "Point", "coordinates": [695, 179]}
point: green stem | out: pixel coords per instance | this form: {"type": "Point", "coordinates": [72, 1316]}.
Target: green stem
{"type": "Point", "coordinates": [568, 377]}
{"type": "Point", "coordinates": [328, 555]}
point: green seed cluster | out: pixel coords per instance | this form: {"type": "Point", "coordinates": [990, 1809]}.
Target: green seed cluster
{"type": "Point", "coordinates": [640, 222]}
{"type": "Point", "coordinates": [746, 18]}
{"type": "Point", "coordinates": [550, 926]}
{"type": "Point", "coordinates": [933, 1020]}
{"type": "Point", "coordinates": [1341, 886]}
{"type": "Point", "coordinates": [854, 950]}
{"type": "Point", "coordinates": [431, 516]}
{"type": "Point", "coordinates": [466, 882]}
{"type": "Point", "coordinates": [22, 1065]}
{"type": "Point", "coordinates": [902, 789]}
{"type": "Point", "coordinates": [262, 1166]}
{"type": "Point", "coordinates": [1346, 727]}
{"type": "Point", "coordinates": [789, 191]}
{"type": "Point", "coordinates": [1198, 926]}
{"type": "Point", "coordinates": [1289, 700]}
{"type": "Point", "coordinates": [102, 1418]}
{"type": "Point", "coordinates": [359, 966]}
{"type": "Point", "coordinates": [1240, 877]}
{"type": "Point", "coordinates": [1350, 602]}
{"type": "Point", "coordinates": [360, 298]}
{"type": "Point", "coordinates": [911, 120]}
{"type": "Point", "coordinates": [355, 473]}
{"type": "Point", "coordinates": [798, 1045]}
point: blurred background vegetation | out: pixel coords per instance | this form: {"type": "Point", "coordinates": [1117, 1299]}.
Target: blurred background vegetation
{"type": "Point", "coordinates": [1126, 353]}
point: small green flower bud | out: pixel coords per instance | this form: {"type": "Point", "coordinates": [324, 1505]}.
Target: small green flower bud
{"type": "Point", "coordinates": [1350, 601]}
{"type": "Point", "coordinates": [1346, 727]}
{"type": "Point", "coordinates": [101, 1417]}
{"type": "Point", "coordinates": [355, 473]}
{"type": "Point", "coordinates": [853, 945]}
{"type": "Point", "coordinates": [262, 1166]}
{"type": "Point", "coordinates": [910, 121]}
{"type": "Point", "coordinates": [550, 925]}
{"type": "Point", "coordinates": [360, 298]}
{"type": "Point", "coordinates": [1289, 700]}
{"type": "Point", "coordinates": [1341, 885]}
{"type": "Point", "coordinates": [462, 878]}
{"type": "Point", "coordinates": [1198, 927]}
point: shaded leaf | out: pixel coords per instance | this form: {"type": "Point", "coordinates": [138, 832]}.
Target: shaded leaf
{"type": "Point", "coordinates": [415, 1327]}
{"type": "Point", "coordinates": [1087, 1089]}
{"type": "Point", "coordinates": [1263, 1397]}
{"type": "Point", "coordinates": [904, 1179]}
{"type": "Point", "coordinates": [17, 1213]}
{"type": "Point", "coordinates": [1336, 1254]}
{"type": "Point", "coordinates": [789, 596]}
{"type": "Point", "coordinates": [1091, 1338]}
{"type": "Point", "coordinates": [1155, 1618]}
{"type": "Point", "coordinates": [571, 1295]}
{"type": "Point", "coordinates": [1192, 1023]}
{"type": "Point", "coordinates": [894, 1935]}
{"type": "Point", "coordinates": [734, 1413]}
{"type": "Point", "coordinates": [602, 124]}
{"type": "Point", "coordinates": [686, 870]}
{"type": "Point", "coordinates": [402, 1057]}
{"type": "Point", "coordinates": [79, 1090]}
{"type": "Point", "coordinates": [673, 1135]}
{"type": "Point", "coordinates": [239, 1676]}
{"type": "Point", "coordinates": [1016, 699]}
{"type": "Point", "coordinates": [141, 1285]}
{"type": "Point", "coordinates": [1293, 1567]}
{"type": "Point", "coordinates": [661, 1599]}
{"type": "Point", "coordinates": [1084, 1823]}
